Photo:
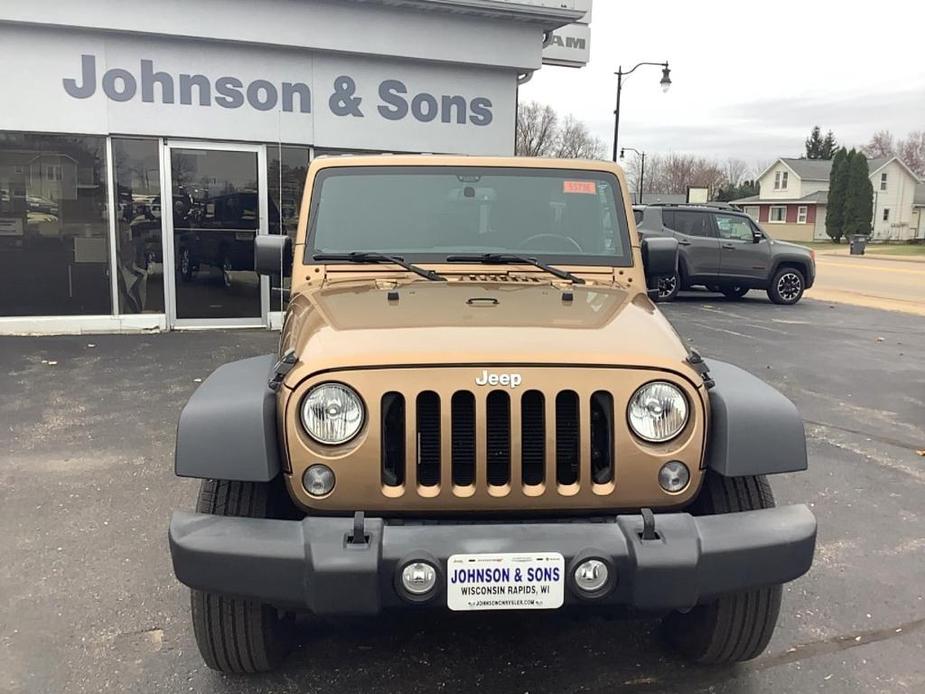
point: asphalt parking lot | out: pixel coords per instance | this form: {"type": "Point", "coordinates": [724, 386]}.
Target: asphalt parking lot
{"type": "Point", "coordinates": [88, 602]}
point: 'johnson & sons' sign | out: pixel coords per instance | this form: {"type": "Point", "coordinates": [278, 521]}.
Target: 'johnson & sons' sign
{"type": "Point", "coordinates": [150, 85]}
{"type": "Point", "coordinates": [110, 83]}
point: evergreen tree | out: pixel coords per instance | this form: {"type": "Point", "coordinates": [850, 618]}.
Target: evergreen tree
{"type": "Point", "coordinates": [814, 144]}
{"type": "Point", "coordinates": [838, 186]}
{"type": "Point", "coordinates": [829, 146]}
{"type": "Point", "coordinates": [859, 197]}
{"type": "Point", "coordinates": [730, 191]}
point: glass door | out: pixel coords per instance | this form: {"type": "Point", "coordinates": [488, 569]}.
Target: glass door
{"type": "Point", "coordinates": [218, 206]}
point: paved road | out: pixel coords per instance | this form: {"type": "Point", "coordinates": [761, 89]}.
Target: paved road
{"type": "Point", "coordinates": [88, 602]}
{"type": "Point", "coordinates": [896, 285]}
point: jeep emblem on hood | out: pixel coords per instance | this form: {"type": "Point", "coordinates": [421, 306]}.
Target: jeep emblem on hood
{"type": "Point", "coordinates": [490, 379]}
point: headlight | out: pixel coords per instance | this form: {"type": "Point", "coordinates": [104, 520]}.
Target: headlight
{"type": "Point", "coordinates": [657, 412]}
{"type": "Point", "coordinates": [332, 413]}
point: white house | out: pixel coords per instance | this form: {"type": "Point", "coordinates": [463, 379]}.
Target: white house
{"type": "Point", "coordinates": [791, 203]}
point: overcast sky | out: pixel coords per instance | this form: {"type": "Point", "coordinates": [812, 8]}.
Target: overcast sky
{"type": "Point", "coordinates": [749, 79]}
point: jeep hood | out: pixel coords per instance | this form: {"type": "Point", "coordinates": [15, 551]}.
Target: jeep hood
{"type": "Point", "coordinates": [357, 324]}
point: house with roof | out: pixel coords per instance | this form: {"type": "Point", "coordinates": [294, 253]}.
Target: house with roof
{"type": "Point", "coordinates": [791, 204]}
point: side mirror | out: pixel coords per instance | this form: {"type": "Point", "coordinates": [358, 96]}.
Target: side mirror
{"type": "Point", "coordinates": [659, 256]}
{"type": "Point", "coordinates": [757, 237]}
{"type": "Point", "coordinates": [659, 259]}
{"type": "Point", "coordinates": [273, 255]}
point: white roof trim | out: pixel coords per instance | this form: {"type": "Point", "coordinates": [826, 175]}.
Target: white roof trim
{"type": "Point", "coordinates": [549, 17]}
{"type": "Point", "coordinates": [774, 203]}
{"type": "Point", "coordinates": [790, 169]}
{"type": "Point", "coordinates": [901, 162]}
{"type": "Point", "coordinates": [773, 164]}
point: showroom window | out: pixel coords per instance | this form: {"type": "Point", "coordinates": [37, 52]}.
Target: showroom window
{"type": "Point", "coordinates": [286, 171]}
{"type": "Point", "coordinates": [139, 250]}
{"type": "Point", "coordinates": [54, 230]}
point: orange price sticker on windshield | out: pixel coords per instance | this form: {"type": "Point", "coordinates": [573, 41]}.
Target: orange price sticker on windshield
{"type": "Point", "coordinates": [584, 187]}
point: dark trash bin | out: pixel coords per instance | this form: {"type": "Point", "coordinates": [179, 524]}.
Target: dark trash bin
{"type": "Point", "coordinates": [858, 244]}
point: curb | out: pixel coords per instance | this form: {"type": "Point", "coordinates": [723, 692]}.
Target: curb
{"type": "Point", "coordinates": [875, 256]}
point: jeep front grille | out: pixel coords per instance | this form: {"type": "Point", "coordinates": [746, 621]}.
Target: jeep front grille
{"type": "Point", "coordinates": [494, 412]}
{"type": "Point", "coordinates": [434, 442]}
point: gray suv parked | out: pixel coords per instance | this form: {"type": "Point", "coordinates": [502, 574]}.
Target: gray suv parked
{"type": "Point", "coordinates": [724, 250]}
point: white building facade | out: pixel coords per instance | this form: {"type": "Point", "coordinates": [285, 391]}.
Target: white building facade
{"type": "Point", "coordinates": [143, 148]}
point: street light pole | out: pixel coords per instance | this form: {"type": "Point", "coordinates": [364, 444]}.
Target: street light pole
{"type": "Point", "coordinates": [640, 184]}
{"type": "Point", "coordinates": [665, 84]}
{"type": "Point", "coordinates": [616, 111]}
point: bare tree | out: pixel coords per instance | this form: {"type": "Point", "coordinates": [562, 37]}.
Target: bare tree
{"type": "Point", "coordinates": [708, 174]}
{"type": "Point", "coordinates": [912, 151]}
{"type": "Point", "coordinates": [735, 170]}
{"type": "Point", "coordinates": [541, 134]}
{"type": "Point", "coordinates": [632, 167]}
{"type": "Point", "coordinates": [880, 145]}
{"type": "Point", "coordinates": [674, 173]}
{"type": "Point", "coordinates": [678, 173]}
{"type": "Point", "coordinates": [536, 130]}
{"type": "Point", "coordinates": [761, 165]}
{"type": "Point", "coordinates": [574, 141]}
{"type": "Point", "coordinates": [655, 173]}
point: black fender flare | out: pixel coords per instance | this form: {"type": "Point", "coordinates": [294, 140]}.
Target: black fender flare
{"type": "Point", "coordinates": [754, 428]}
{"type": "Point", "coordinates": [801, 263]}
{"type": "Point", "coordinates": [683, 272]}
{"type": "Point", "coordinates": [228, 430]}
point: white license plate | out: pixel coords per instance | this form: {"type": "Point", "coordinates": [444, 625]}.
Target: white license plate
{"type": "Point", "coordinates": [529, 581]}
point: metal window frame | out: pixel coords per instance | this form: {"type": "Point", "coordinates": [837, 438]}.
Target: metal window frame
{"type": "Point", "coordinates": [275, 318]}
{"type": "Point", "coordinates": [777, 221]}
{"type": "Point", "coordinates": [167, 229]}
{"type": "Point", "coordinates": [113, 259]}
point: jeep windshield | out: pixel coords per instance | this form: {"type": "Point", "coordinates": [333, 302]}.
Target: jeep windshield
{"type": "Point", "coordinates": [430, 213]}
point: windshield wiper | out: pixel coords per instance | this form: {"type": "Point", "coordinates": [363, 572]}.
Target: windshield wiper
{"type": "Point", "coordinates": [502, 258]}
{"type": "Point", "coordinates": [372, 257]}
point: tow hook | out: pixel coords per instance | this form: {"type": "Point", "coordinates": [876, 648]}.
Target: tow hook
{"type": "Point", "coordinates": [358, 537]}
{"type": "Point", "coordinates": [648, 525]}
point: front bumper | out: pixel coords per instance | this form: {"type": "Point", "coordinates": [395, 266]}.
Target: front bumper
{"type": "Point", "coordinates": [310, 564]}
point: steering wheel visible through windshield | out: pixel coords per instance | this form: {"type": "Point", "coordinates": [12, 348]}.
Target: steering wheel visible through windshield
{"type": "Point", "coordinates": [425, 213]}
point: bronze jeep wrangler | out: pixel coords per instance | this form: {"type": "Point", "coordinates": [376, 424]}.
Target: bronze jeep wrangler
{"type": "Point", "coordinates": [477, 406]}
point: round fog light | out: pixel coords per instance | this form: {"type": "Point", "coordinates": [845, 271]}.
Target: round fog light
{"type": "Point", "coordinates": [674, 476]}
{"type": "Point", "coordinates": [318, 480]}
{"type": "Point", "coordinates": [591, 575]}
{"type": "Point", "coordinates": [419, 577]}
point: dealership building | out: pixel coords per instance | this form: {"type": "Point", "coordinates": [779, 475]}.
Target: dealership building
{"type": "Point", "coordinates": [143, 147]}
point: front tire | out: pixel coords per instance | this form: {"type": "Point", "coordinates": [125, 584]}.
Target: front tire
{"type": "Point", "coordinates": [234, 635]}
{"type": "Point", "coordinates": [734, 627]}
{"type": "Point", "coordinates": [787, 286]}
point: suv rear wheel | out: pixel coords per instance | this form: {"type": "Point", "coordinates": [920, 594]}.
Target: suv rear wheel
{"type": "Point", "coordinates": [734, 627]}
{"type": "Point", "coordinates": [668, 287]}
{"type": "Point", "coordinates": [235, 635]}
{"type": "Point", "coordinates": [787, 286]}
